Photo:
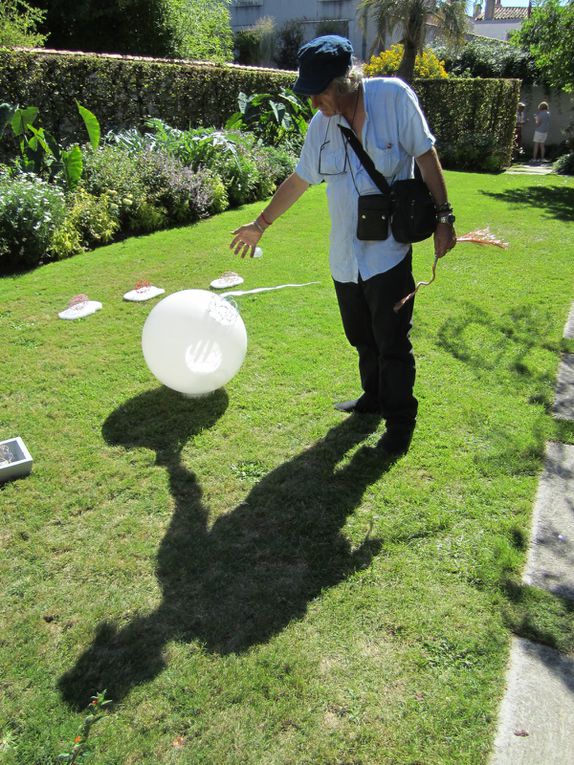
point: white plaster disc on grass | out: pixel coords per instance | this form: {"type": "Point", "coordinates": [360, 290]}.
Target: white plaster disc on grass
{"type": "Point", "coordinates": [143, 293]}
{"type": "Point", "coordinates": [79, 310]}
{"type": "Point", "coordinates": [228, 279]}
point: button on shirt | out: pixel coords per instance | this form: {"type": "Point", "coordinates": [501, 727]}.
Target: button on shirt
{"type": "Point", "coordinates": [394, 132]}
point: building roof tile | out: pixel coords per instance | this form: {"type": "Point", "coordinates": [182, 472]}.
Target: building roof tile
{"type": "Point", "coordinates": [506, 14]}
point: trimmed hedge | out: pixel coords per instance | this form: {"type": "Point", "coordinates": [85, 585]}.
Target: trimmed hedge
{"type": "Point", "coordinates": [124, 91]}
{"type": "Point", "coordinates": [473, 119]}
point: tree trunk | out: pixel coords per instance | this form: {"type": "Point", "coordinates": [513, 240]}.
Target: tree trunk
{"type": "Point", "coordinates": [407, 66]}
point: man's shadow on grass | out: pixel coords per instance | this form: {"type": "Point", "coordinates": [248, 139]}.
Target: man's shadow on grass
{"type": "Point", "coordinates": [239, 582]}
{"type": "Point", "coordinates": [557, 201]}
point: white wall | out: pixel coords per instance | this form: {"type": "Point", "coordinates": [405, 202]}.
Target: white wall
{"type": "Point", "coordinates": [499, 30]}
{"type": "Point", "coordinates": [561, 107]}
{"type": "Point", "coordinates": [245, 13]}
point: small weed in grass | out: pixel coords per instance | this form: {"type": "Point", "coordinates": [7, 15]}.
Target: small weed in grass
{"type": "Point", "coordinates": [94, 712]}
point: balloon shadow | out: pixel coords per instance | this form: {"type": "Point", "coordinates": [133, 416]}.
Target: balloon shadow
{"type": "Point", "coordinates": [239, 582]}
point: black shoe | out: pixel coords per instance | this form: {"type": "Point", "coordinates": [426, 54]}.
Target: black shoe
{"type": "Point", "coordinates": [395, 442]}
{"type": "Point", "coordinates": [358, 405]}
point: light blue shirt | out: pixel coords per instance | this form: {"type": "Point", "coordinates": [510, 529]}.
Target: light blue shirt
{"type": "Point", "coordinates": [394, 132]}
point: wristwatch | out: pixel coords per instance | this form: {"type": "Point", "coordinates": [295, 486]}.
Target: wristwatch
{"type": "Point", "coordinates": [444, 213]}
{"type": "Point", "coordinates": [446, 217]}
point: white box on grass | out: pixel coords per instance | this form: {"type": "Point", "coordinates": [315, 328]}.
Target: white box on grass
{"type": "Point", "coordinates": [15, 459]}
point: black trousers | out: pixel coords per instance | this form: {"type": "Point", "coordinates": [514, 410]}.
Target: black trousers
{"type": "Point", "coordinates": [381, 337]}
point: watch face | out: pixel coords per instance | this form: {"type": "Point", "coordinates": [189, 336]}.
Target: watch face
{"type": "Point", "coordinates": [448, 218]}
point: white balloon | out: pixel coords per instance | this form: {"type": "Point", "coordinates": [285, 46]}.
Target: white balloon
{"type": "Point", "coordinates": [194, 341]}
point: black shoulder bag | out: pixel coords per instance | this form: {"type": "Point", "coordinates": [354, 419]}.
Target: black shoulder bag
{"type": "Point", "coordinates": [407, 205]}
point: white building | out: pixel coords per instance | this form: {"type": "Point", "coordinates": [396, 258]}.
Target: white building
{"type": "Point", "coordinates": [245, 13]}
{"type": "Point", "coordinates": [496, 20]}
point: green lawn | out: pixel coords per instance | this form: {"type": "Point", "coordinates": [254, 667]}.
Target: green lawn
{"type": "Point", "coordinates": [242, 573]}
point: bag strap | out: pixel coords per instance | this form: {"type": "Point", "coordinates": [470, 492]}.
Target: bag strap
{"type": "Point", "coordinates": [378, 178]}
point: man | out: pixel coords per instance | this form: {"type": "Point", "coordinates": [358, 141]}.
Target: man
{"type": "Point", "coordinates": [369, 276]}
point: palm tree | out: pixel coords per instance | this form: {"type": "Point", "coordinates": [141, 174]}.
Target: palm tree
{"type": "Point", "coordinates": [412, 16]}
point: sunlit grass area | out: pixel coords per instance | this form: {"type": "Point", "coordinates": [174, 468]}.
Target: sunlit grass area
{"type": "Point", "coordinates": [245, 576]}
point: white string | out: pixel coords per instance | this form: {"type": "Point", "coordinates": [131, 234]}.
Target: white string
{"type": "Point", "coordinates": [237, 293]}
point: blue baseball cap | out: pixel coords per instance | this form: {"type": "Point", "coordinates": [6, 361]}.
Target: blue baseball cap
{"type": "Point", "coordinates": [320, 61]}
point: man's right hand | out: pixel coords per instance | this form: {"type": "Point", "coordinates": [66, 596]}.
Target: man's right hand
{"type": "Point", "coordinates": [245, 239]}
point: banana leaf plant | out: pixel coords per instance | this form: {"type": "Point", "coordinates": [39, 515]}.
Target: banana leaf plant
{"type": "Point", "coordinates": [40, 152]}
{"type": "Point", "coordinates": [273, 118]}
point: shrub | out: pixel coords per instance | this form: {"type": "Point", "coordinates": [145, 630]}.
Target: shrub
{"type": "Point", "coordinates": [183, 194]}
{"type": "Point", "coordinates": [132, 140]}
{"type": "Point", "coordinates": [94, 218]}
{"type": "Point", "coordinates": [332, 27]}
{"type": "Point", "coordinates": [276, 120]}
{"type": "Point", "coordinates": [125, 92]}
{"type": "Point", "coordinates": [111, 170]}
{"type": "Point", "coordinates": [427, 64]}
{"type": "Point", "coordinates": [289, 40]}
{"type": "Point", "coordinates": [281, 160]}
{"type": "Point", "coordinates": [254, 45]}
{"type": "Point", "coordinates": [470, 151]}
{"type": "Point", "coordinates": [564, 165]}
{"type": "Point", "coordinates": [219, 197]}
{"type": "Point", "coordinates": [488, 58]}
{"type": "Point", "coordinates": [197, 29]}
{"type": "Point", "coordinates": [475, 111]}
{"type": "Point", "coordinates": [19, 22]}
{"type": "Point", "coordinates": [228, 154]}
{"type": "Point", "coordinates": [31, 210]}
{"type": "Point", "coordinates": [147, 218]}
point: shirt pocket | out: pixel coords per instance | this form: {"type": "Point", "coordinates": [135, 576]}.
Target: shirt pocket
{"type": "Point", "coordinates": [386, 159]}
{"type": "Point", "coordinates": [332, 162]}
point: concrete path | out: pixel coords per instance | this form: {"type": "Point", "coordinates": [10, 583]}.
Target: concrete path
{"type": "Point", "coordinates": [551, 557]}
{"type": "Point", "coordinates": [535, 725]}
{"type": "Point", "coordinates": [526, 169]}
{"type": "Point", "coordinates": [536, 722]}
{"type": "Point", "coordinates": [563, 408]}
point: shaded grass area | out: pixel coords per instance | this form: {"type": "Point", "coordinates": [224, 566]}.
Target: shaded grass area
{"type": "Point", "coordinates": [245, 576]}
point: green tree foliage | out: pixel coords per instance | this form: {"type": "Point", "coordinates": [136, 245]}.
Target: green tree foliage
{"type": "Point", "coordinates": [173, 28]}
{"type": "Point", "coordinates": [200, 29]}
{"type": "Point", "coordinates": [19, 23]}
{"type": "Point", "coordinates": [411, 18]}
{"type": "Point", "coordinates": [548, 35]}
{"type": "Point", "coordinates": [487, 58]}
{"type": "Point", "coordinates": [107, 26]}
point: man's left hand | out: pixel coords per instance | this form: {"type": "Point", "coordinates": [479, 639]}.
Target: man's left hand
{"type": "Point", "coordinates": [444, 239]}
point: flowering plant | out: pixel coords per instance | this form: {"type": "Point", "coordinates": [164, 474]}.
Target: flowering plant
{"type": "Point", "coordinates": [427, 64]}
{"type": "Point", "coordinates": [95, 711]}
